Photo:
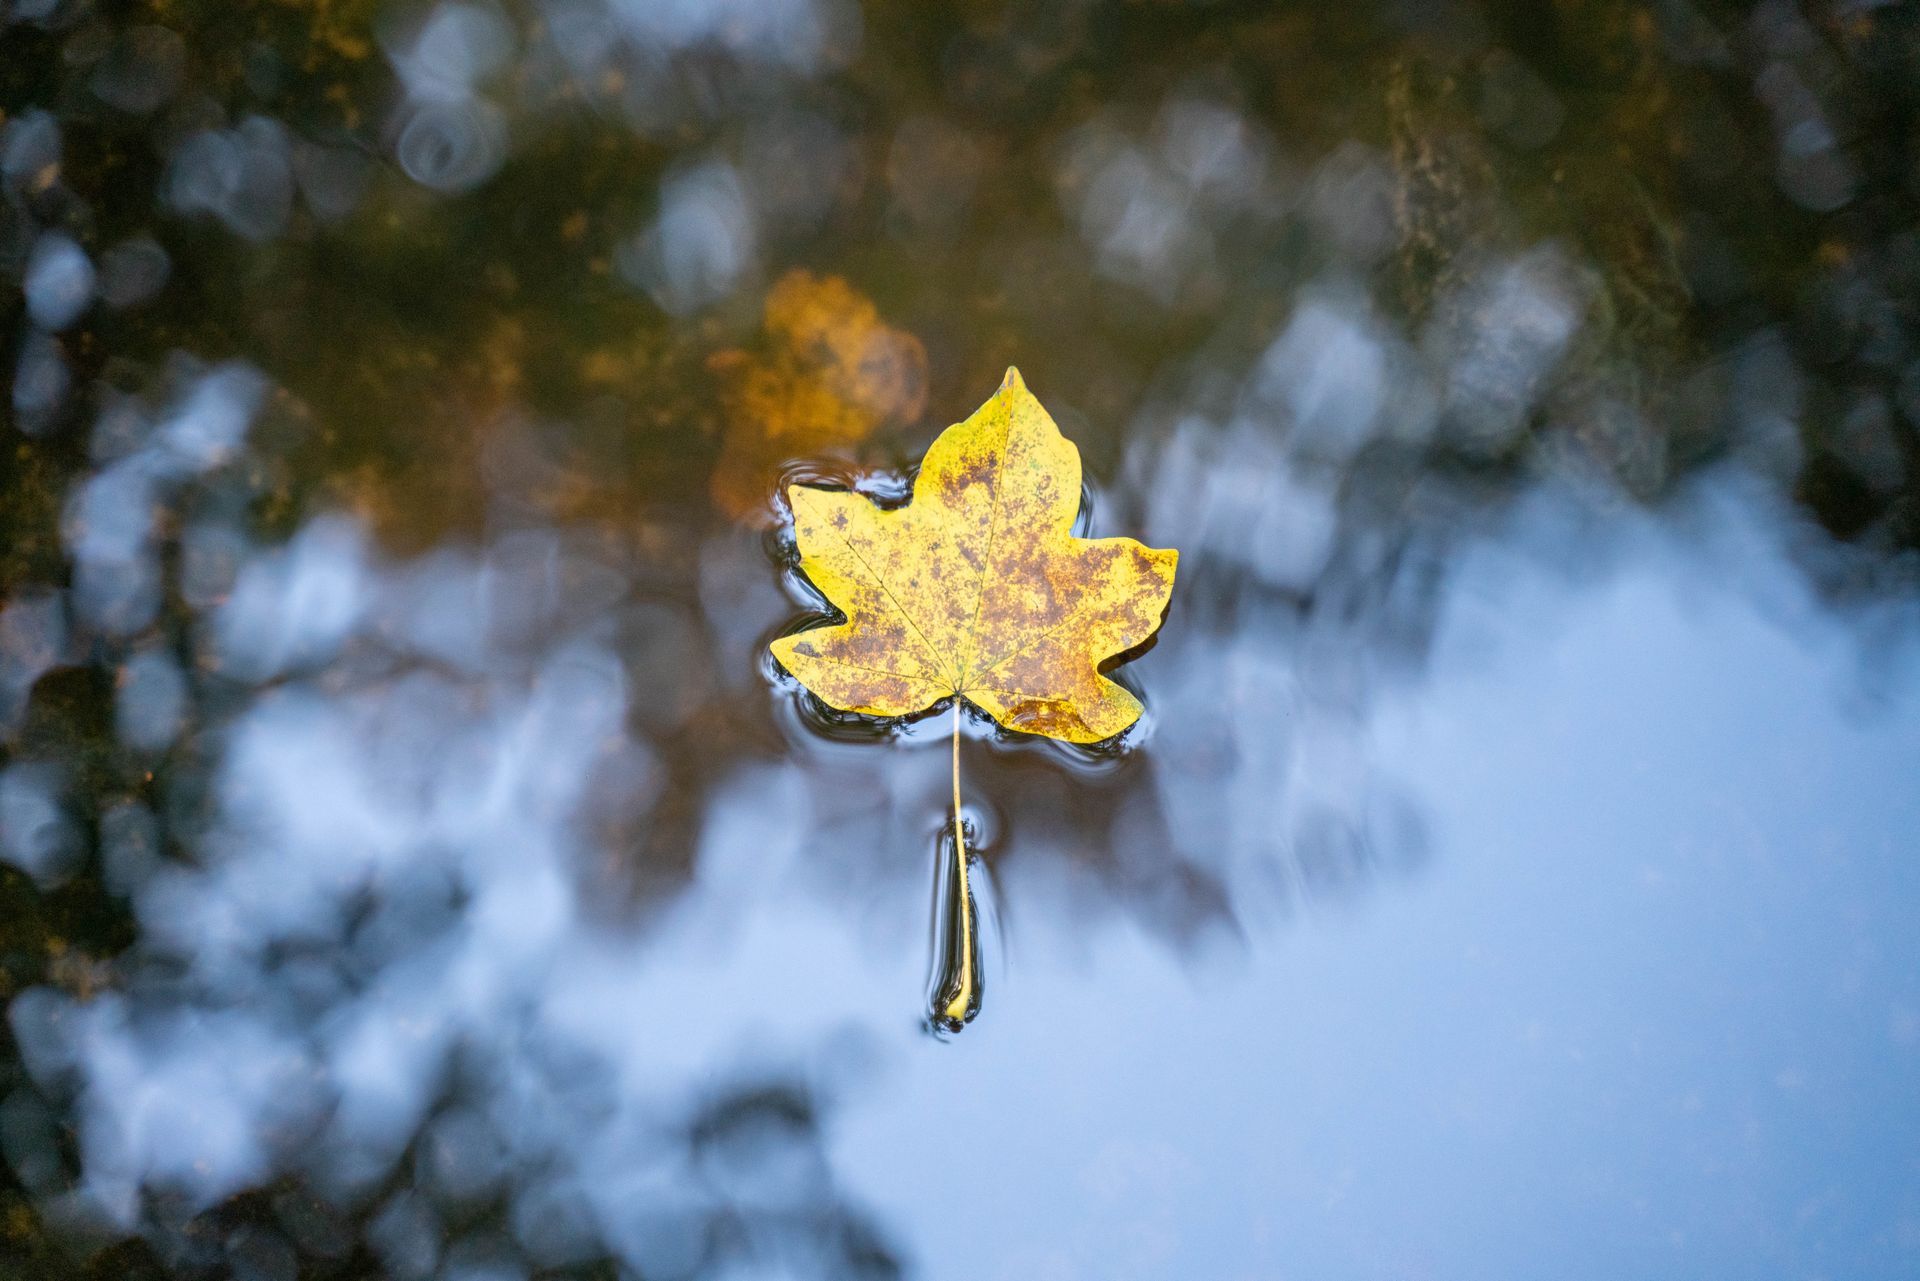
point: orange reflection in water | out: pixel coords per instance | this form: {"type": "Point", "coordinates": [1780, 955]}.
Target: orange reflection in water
{"type": "Point", "coordinates": [831, 373]}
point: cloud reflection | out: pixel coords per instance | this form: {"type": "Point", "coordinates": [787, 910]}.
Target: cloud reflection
{"type": "Point", "coordinates": [1151, 208]}
{"type": "Point", "coordinates": [449, 137]}
{"type": "Point", "coordinates": [243, 176]}
{"type": "Point", "coordinates": [701, 243]}
{"type": "Point", "coordinates": [377, 958]}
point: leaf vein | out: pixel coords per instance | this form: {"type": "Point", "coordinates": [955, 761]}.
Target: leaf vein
{"type": "Point", "coordinates": [986, 559]}
{"type": "Point", "coordinates": [881, 583]}
{"type": "Point", "coordinates": [862, 667]}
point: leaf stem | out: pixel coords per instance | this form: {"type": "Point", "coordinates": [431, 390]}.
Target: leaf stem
{"type": "Point", "coordinates": [962, 1001]}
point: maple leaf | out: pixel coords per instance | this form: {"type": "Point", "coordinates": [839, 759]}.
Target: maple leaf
{"type": "Point", "coordinates": [977, 591]}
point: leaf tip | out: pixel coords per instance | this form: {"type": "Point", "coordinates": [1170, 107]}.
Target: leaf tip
{"type": "Point", "coordinates": [1013, 381]}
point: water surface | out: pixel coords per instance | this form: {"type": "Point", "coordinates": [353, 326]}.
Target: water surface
{"type": "Point", "coordinates": [416, 866]}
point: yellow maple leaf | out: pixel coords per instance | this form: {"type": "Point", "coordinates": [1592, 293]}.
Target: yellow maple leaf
{"type": "Point", "coordinates": [977, 590]}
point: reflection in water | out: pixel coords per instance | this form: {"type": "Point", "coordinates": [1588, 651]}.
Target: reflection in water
{"type": "Point", "coordinates": [833, 375]}
{"type": "Point", "coordinates": [958, 985]}
{"type": "Point", "coordinates": [414, 867]}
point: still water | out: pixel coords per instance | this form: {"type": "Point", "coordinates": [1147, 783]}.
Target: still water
{"type": "Point", "coordinates": [413, 864]}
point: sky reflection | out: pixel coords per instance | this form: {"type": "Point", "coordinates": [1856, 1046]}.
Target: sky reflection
{"type": "Point", "coordinates": [1593, 981]}
{"type": "Point", "coordinates": [416, 866]}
